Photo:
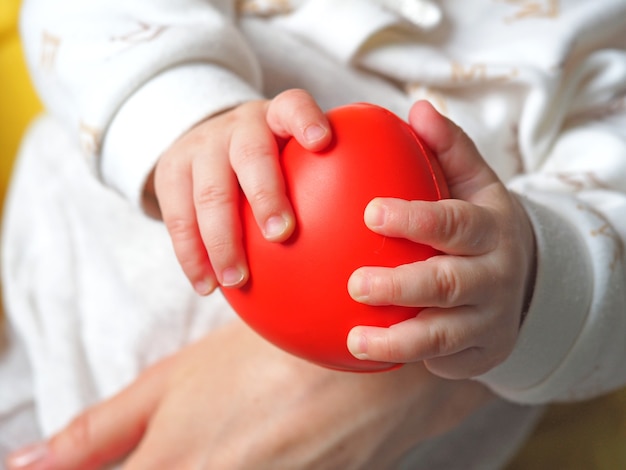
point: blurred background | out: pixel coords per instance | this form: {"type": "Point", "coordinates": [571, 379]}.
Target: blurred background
{"type": "Point", "coordinates": [18, 102]}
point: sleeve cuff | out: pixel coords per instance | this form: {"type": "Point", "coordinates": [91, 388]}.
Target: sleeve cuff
{"type": "Point", "coordinates": [157, 114]}
{"type": "Point", "coordinates": [558, 309]}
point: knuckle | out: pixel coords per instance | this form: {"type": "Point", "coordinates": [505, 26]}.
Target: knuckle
{"type": "Point", "coordinates": [417, 220]}
{"type": "Point", "coordinates": [180, 229]}
{"type": "Point", "coordinates": [390, 350]}
{"type": "Point", "coordinates": [246, 153]}
{"type": "Point", "coordinates": [395, 289]}
{"type": "Point", "coordinates": [212, 195]}
{"type": "Point", "coordinates": [219, 248]}
{"type": "Point", "coordinates": [244, 110]}
{"type": "Point", "coordinates": [385, 287]}
{"type": "Point", "coordinates": [452, 221]}
{"type": "Point", "coordinates": [79, 434]}
{"type": "Point", "coordinates": [166, 165]}
{"type": "Point", "coordinates": [296, 104]}
{"type": "Point", "coordinates": [447, 285]}
{"type": "Point", "coordinates": [432, 219]}
{"type": "Point", "coordinates": [262, 196]}
{"type": "Point", "coordinates": [291, 95]}
{"type": "Point", "coordinates": [439, 340]}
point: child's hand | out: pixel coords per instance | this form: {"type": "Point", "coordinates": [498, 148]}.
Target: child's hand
{"type": "Point", "coordinates": [475, 292]}
{"type": "Point", "coordinates": [196, 183]}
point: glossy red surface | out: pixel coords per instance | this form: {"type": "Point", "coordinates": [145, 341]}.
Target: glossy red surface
{"type": "Point", "coordinates": [297, 294]}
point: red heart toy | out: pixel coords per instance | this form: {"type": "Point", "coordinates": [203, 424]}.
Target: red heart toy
{"type": "Point", "coordinates": [297, 295]}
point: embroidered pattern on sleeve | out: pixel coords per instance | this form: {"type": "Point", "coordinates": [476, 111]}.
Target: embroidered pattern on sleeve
{"type": "Point", "coordinates": [50, 45]}
{"type": "Point", "coordinates": [529, 9]}
{"type": "Point", "coordinates": [606, 230]}
{"type": "Point", "coordinates": [264, 7]}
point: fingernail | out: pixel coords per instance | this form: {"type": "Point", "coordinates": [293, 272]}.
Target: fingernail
{"type": "Point", "coordinates": [359, 286]}
{"type": "Point", "coordinates": [28, 458]}
{"type": "Point", "coordinates": [275, 227]}
{"type": "Point", "coordinates": [314, 133]}
{"type": "Point", "coordinates": [204, 286]}
{"type": "Point", "coordinates": [357, 344]}
{"type": "Point", "coordinates": [232, 277]}
{"type": "Point", "coordinates": [375, 214]}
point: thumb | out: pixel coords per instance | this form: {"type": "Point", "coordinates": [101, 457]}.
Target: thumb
{"type": "Point", "coordinates": [464, 168]}
{"type": "Point", "coordinates": [101, 434]}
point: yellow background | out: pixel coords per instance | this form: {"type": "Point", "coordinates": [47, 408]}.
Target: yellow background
{"type": "Point", "coordinates": [584, 436]}
{"type": "Point", "coordinates": [18, 102]}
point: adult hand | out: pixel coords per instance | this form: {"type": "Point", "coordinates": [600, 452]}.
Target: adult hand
{"type": "Point", "coordinates": [234, 401]}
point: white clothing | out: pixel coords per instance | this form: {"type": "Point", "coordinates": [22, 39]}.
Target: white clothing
{"type": "Point", "coordinates": [92, 287]}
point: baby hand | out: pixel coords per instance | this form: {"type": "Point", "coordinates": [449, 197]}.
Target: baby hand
{"type": "Point", "coordinates": [196, 183]}
{"type": "Point", "coordinates": [474, 293]}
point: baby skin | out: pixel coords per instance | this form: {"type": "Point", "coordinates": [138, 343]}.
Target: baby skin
{"type": "Point", "coordinates": [473, 294]}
